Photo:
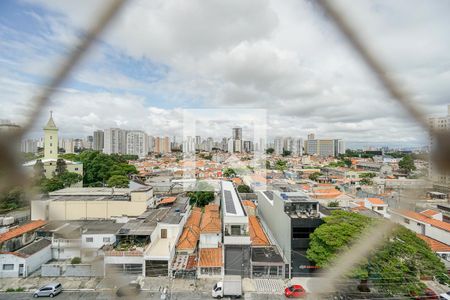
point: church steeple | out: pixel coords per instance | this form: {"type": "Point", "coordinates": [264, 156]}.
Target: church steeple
{"type": "Point", "coordinates": [50, 124]}
{"type": "Point", "coordinates": [51, 139]}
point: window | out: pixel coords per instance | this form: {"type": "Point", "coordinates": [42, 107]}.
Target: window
{"type": "Point", "coordinates": [235, 230]}
{"type": "Point", "coordinates": [164, 233]}
{"type": "Point", "coordinates": [106, 240]}
{"type": "Point", "coordinates": [51, 151]}
{"type": "Point", "coordinates": [76, 169]}
{"type": "Point", "coordinates": [7, 267]}
{"type": "Point", "coordinates": [301, 233]}
{"type": "Point", "coordinates": [406, 220]}
{"type": "Point", "coordinates": [89, 240]}
{"type": "Point", "coordinates": [380, 208]}
{"type": "Point", "coordinates": [51, 137]}
{"type": "Point", "coordinates": [51, 144]}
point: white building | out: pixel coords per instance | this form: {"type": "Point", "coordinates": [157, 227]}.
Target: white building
{"type": "Point", "coordinates": [115, 140]}
{"type": "Point", "coordinates": [137, 143]}
{"type": "Point", "coordinates": [23, 262]}
{"type": "Point", "coordinates": [278, 145]}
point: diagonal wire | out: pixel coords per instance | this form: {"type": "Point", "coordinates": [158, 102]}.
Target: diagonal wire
{"type": "Point", "coordinates": [64, 70]}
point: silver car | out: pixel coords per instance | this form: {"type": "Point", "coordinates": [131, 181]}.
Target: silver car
{"type": "Point", "coordinates": [49, 290]}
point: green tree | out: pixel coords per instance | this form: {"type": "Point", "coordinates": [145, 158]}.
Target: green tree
{"type": "Point", "coordinates": [70, 178]}
{"type": "Point", "coordinates": [243, 188]}
{"type": "Point", "coordinates": [347, 162]}
{"type": "Point", "coordinates": [281, 165]}
{"type": "Point", "coordinates": [286, 153]}
{"type": "Point", "coordinates": [366, 181]}
{"type": "Point", "coordinates": [314, 176]}
{"type": "Point", "coordinates": [202, 195]}
{"type": "Point", "coordinates": [11, 200]}
{"type": "Point", "coordinates": [61, 166]}
{"type": "Point", "coordinates": [395, 268]}
{"type": "Point", "coordinates": [118, 181]}
{"type": "Point", "coordinates": [407, 164]}
{"type": "Point", "coordinates": [367, 175]}
{"type": "Point", "coordinates": [51, 184]}
{"type": "Point", "coordinates": [268, 166]}
{"type": "Point", "coordinates": [229, 172]}
{"type": "Point", "coordinates": [270, 150]}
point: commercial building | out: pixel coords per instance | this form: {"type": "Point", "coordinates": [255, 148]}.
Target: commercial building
{"type": "Point", "coordinates": [290, 218]}
{"type": "Point", "coordinates": [324, 147]}
{"type": "Point", "coordinates": [92, 203]}
{"type": "Point", "coordinates": [99, 140]}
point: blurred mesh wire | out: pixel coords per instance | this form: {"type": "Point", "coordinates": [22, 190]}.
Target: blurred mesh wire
{"type": "Point", "coordinates": [11, 173]}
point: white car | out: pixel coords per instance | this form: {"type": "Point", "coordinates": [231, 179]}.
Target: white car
{"type": "Point", "coordinates": [445, 296]}
{"type": "Point", "coordinates": [49, 290]}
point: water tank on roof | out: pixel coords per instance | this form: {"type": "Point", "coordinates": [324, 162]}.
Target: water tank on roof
{"type": "Point", "coordinates": [8, 220]}
{"type": "Point", "coordinates": [284, 196]}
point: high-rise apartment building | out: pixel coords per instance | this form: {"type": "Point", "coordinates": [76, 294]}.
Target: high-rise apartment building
{"type": "Point", "coordinates": [248, 146]}
{"type": "Point", "coordinates": [99, 140]}
{"type": "Point", "coordinates": [162, 145]}
{"type": "Point", "coordinates": [441, 181]}
{"type": "Point", "coordinates": [278, 145]}
{"type": "Point", "coordinates": [137, 143]}
{"type": "Point", "coordinates": [115, 140]}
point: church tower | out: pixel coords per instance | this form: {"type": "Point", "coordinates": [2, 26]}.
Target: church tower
{"type": "Point", "coordinates": [50, 139]}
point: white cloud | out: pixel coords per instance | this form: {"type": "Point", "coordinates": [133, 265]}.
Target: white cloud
{"type": "Point", "coordinates": [284, 56]}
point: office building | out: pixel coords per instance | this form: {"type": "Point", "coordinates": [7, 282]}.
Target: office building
{"type": "Point", "coordinates": [99, 140]}
{"type": "Point", "coordinates": [324, 147]}
{"type": "Point", "coordinates": [137, 143]}
{"type": "Point", "coordinates": [237, 139]}
{"type": "Point", "coordinates": [290, 217]}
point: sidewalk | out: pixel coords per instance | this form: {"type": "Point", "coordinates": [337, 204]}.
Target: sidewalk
{"type": "Point", "coordinates": [32, 283]}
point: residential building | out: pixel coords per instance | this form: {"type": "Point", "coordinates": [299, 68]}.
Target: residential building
{"type": "Point", "coordinates": [440, 180]}
{"type": "Point", "coordinates": [162, 145]}
{"type": "Point", "coordinates": [377, 205]}
{"type": "Point", "coordinates": [115, 141]}
{"type": "Point", "coordinates": [290, 218]}
{"type": "Point", "coordinates": [26, 260]}
{"type": "Point", "coordinates": [99, 140]}
{"type": "Point", "coordinates": [29, 146]}
{"type": "Point", "coordinates": [210, 256]}
{"type": "Point", "coordinates": [428, 223]}
{"type": "Point", "coordinates": [137, 143]}
{"type": "Point", "coordinates": [236, 240]}
{"type": "Point", "coordinates": [237, 139]}
{"type": "Point", "coordinates": [278, 145]}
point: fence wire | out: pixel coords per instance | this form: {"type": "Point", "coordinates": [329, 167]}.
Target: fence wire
{"type": "Point", "coordinates": [11, 173]}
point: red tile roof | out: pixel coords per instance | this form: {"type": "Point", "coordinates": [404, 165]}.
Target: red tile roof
{"type": "Point", "coordinates": [168, 200]}
{"type": "Point", "coordinates": [376, 201]}
{"type": "Point", "coordinates": [18, 231]}
{"type": "Point", "coordinates": [189, 238]}
{"type": "Point", "coordinates": [419, 217]}
{"type": "Point", "coordinates": [249, 203]}
{"type": "Point", "coordinates": [257, 235]}
{"type": "Point", "coordinates": [429, 212]}
{"type": "Point", "coordinates": [210, 257]}
{"type": "Point", "coordinates": [435, 245]}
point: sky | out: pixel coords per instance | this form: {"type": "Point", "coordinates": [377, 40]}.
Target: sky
{"type": "Point", "coordinates": [161, 57]}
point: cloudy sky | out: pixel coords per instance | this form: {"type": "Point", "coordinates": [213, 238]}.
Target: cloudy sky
{"type": "Point", "coordinates": [161, 57]}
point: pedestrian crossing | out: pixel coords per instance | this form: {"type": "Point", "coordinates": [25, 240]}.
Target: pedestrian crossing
{"type": "Point", "coordinates": [269, 286]}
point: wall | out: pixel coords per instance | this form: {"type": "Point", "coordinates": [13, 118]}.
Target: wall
{"type": "Point", "coordinates": [278, 222]}
{"type": "Point", "coordinates": [97, 240]}
{"type": "Point", "coordinates": [10, 259]}
{"type": "Point", "coordinates": [37, 259]}
{"type": "Point", "coordinates": [210, 240]}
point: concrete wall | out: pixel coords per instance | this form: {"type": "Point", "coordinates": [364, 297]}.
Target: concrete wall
{"type": "Point", "coordinates": [69, 270]}
{"type": "Point", "coordinates": [277, 221]}
{"type": "Point", "coordinates": [98, 240]}
{"type": "Point", "coordinates": [30, 263]}
{"type": "Point", "coordinates": [210, 240]}
{"type": "Point", "coordinates": [6, 259]}
{"type": "Point", "coordinates": [34, 262]}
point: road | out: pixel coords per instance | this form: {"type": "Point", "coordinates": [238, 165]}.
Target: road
{"type": "Point", "coordinates": [93, 295]}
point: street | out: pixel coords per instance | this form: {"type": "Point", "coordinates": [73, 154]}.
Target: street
{"type": "Point", "coordinates": [94, 295]}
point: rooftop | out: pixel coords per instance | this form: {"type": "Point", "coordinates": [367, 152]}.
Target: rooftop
{"type": "Point", "coordinates": [266, 255]}
{"type": "Point", "coordinates": [376, 201]}
{"type": "Point", "coordinates": [210, 257]}
{"type": "Point", "coordinates": [435, 245]}
{"type": "Point", "coordinates": [18, 231]}
{"type": "Point", "coordinates": [34, 247]}
{"type": "Point", "coordinates": [257, 234]}
{"type": "Point", "coordinates": [231, 202]}
{"type": "Point", "coordinates": [424, 219]}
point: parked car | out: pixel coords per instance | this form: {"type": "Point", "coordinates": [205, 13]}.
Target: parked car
{"type": "Point", "coordinates": [445, 296]}
{"type": "Point", "coordinates": [295, 291]}
{"type": "Point", "coordinates": [131, 289]}
{"type": "Point", "coordinates": [49, 290]}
